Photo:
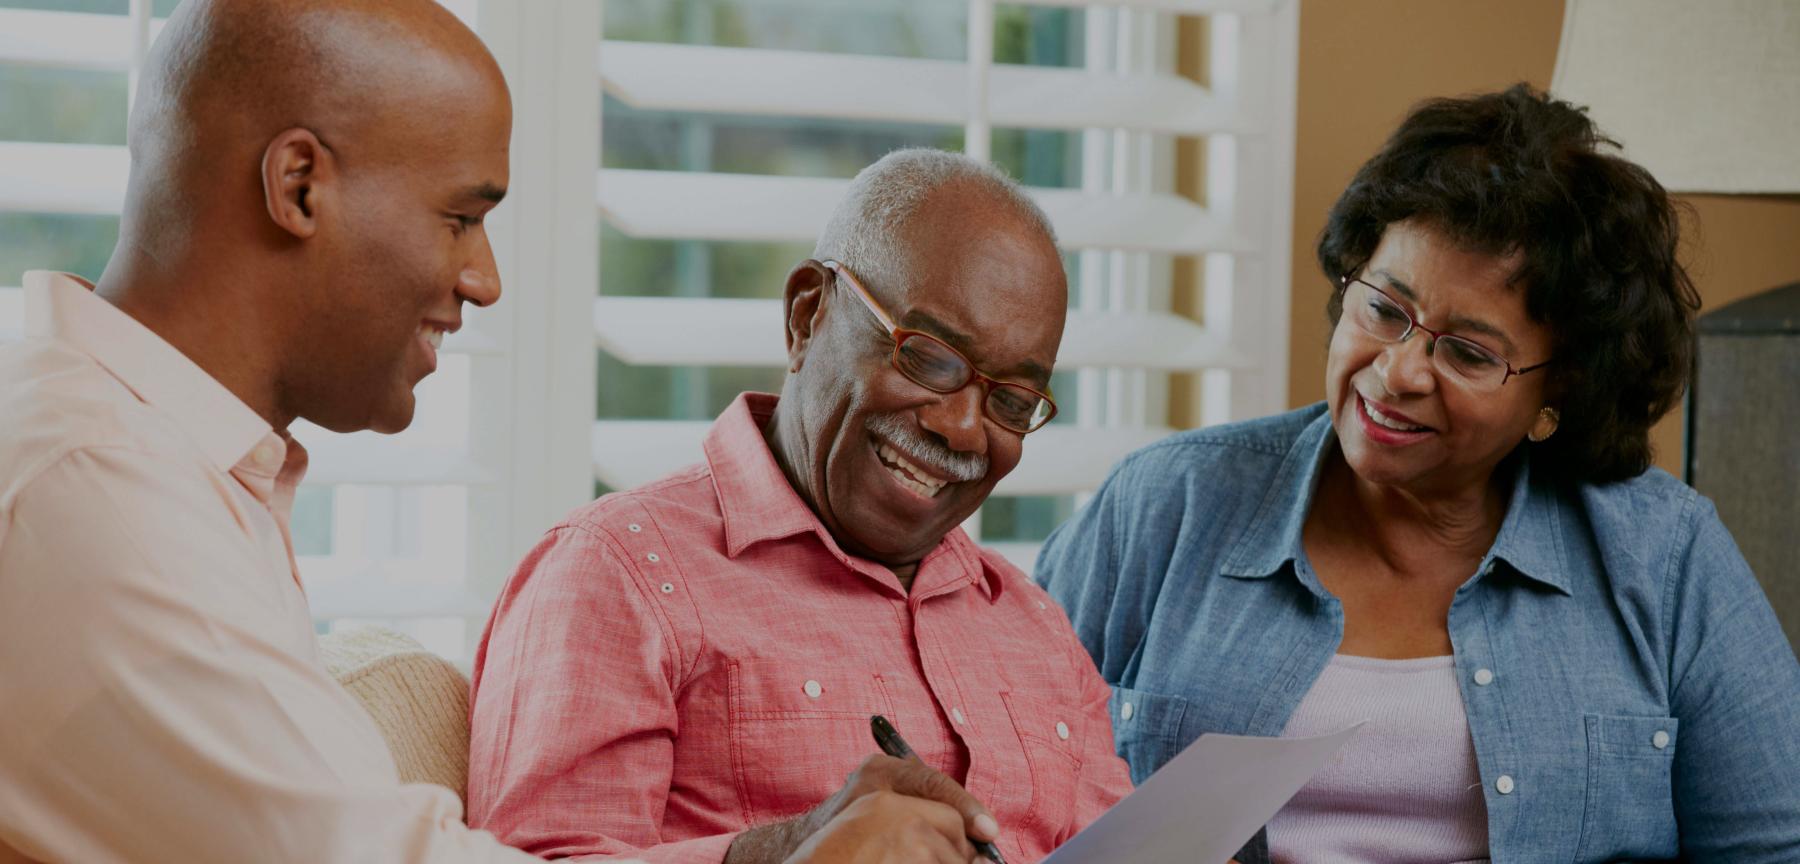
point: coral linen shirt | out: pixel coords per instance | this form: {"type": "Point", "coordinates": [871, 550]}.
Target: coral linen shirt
{"type": "Point", "coordinates": [160, 685]}
{"type": "Point", "coordinates": [676, 663]}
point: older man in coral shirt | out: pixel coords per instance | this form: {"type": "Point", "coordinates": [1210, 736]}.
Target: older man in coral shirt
{"type": "Point", "coordinates": [162, 694]}
{"type": "Point", "coordinates": [686, 671]}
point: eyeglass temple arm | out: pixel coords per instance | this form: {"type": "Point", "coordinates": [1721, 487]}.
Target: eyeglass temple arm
{"type": "Point", "coordinates": [862, 294]}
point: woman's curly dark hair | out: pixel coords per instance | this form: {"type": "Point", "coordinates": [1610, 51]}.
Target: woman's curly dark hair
{"type": "Point", "coordinates": [1518, 172]}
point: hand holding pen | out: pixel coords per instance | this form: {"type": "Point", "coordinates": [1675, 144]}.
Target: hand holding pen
{"type": "Point", "coordinates": [893, 809]}
{"type": "Point", "coordinates": [889, 740]}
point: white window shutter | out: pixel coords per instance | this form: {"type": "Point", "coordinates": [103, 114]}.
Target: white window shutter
{"type": "Point", "coordinates": [419, 527]}
{"type": "Point", "coordinates": [508, 441]}
{"type": "Point", "coordinates": [1125, 224]}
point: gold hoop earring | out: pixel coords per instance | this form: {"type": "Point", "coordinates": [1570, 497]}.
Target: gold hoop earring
{"type": "Point", "coordinates": [1545, 427]}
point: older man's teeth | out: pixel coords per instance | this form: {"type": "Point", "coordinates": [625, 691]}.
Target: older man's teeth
{"type": "Point", "coordinates": [1387, 422]}
{"type": "Point", "coordinates": [432, 336]}
{"type": "Point", "coordinates": [908, 473]}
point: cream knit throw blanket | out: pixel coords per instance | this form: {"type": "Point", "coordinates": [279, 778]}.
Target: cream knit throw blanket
{"type": "Point", "coordinates": [419, 700]}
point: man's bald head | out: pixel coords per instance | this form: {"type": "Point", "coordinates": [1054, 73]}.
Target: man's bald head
{"type": "Point", "coordinates": [308, 184]}
{"type": "Point", "coordinates": [225, 76]}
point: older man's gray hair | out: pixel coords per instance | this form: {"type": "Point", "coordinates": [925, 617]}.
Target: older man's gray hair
{"type": "Point", "coordinates": [865, 229]}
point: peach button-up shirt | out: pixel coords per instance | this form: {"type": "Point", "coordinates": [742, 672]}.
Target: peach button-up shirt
{"type": "Point", "coordinates": [161, 693]}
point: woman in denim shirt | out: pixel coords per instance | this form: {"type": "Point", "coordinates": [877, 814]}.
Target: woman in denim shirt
{"type": "Point", "coordinates": [1558, 648]}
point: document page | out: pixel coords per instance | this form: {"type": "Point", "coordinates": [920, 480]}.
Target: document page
{"type": "Point", "coordinates": [1206, 803]}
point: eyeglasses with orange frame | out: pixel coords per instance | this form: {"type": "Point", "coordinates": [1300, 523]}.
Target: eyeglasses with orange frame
{"type": "Point", "coordinates": [931, 363]}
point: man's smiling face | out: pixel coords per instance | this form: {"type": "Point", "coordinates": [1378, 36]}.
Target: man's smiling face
{"type": "Point", "coordinates": [889, 465]}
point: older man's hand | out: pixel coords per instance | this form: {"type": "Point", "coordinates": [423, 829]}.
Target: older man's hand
{"type": "Point", "coordinates": [889, 828]}
{"type": "Point", "coordinates": [889, 810]}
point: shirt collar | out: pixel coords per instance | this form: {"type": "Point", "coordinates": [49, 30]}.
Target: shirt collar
{"type": "Point", "coordinates": [755, 499]}
{"type": "Point", "coordinates": [973, 566]}
{"type": "Point", "coordinates": [1529, 541]}
{"type": "Point", "coordinates": [757, 503]}
{"type": "Point", "coordinates": [65, 308]}
{"type": "Point", "coordinates": [1273, 537]}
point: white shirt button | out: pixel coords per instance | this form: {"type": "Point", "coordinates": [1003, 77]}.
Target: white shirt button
{"type": "Point", "coordinates": [1062, 731]}
{"type": "Point", "coordinates": [1660, 740]}
{"type": "Point", "coordinates": [668, 587]}
{"type": "Point", "coordinates": [634, 528]}
{"type": "Point", "coordinates": [264, 455]}
{"type": "Point", "coordinates": [653, 557]}
{"type": "Point", "coordinates": [956, 715]}
{"type": "Point", "coordinates": [1484, 677]}
{"type": "Point", "coordinates": [1126, 710]}
{"type": "Point", "coordinates": [1504, 784]}
{"type": "Point", "coordinates": [813, 689]}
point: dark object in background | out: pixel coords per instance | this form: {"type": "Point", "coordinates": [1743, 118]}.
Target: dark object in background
{"type": "Point", "coordinates": [1743, 434]}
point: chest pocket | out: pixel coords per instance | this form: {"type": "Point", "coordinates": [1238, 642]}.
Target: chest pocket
{"type": "Point", "coordinates": [1052, 738]}
{"type": "Point", "coordinates": [1630, 808]}
{"type": "Point", "coordinates": [1147, 727]}
{"type": "Point", "coordinates": [796, 735]}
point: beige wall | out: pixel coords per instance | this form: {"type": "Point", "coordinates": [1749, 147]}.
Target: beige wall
{"type": "Point", "coordinates": [1364, 62]}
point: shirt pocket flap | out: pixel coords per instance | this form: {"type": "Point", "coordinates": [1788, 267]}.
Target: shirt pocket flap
{"type": "Point", "coordinates": [1146, 729]}
{"type": "Point", "coordinates": [1631, 737]}
{"type": "Point", "coordinates": [1146, 714]}
{"type": "Point", "coordinates": [770, 690]}
{"type": "Point", "coordinates": [797, 730]}
{"type": "Point", "coordinates": [1629, 812]}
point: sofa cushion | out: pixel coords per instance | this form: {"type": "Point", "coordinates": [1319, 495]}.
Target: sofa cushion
{"type": "Point", "coordinates": [419, 700]}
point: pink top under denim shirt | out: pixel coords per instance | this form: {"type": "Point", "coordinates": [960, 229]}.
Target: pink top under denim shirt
{"type": "Point", "coordinates": [1404, 789]}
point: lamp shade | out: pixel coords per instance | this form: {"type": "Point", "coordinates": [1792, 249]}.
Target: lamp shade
{"type": "Point", "coordinates": [1706, 95]}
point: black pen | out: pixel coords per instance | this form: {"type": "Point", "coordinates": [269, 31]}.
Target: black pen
{"type": "Point", "coordinates": [889, 740]}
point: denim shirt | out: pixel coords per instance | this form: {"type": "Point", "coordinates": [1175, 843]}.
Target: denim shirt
{"type": "Point", "coordinates": [1629, 691]}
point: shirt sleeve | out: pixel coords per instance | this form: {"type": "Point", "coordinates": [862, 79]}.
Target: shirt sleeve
{"type": "Point", "coordinates": [574, 717]}
{"type": "Point", "coordinates": [1105, 564]}
{"type": "Point", "coordinates": [150, 714]}
{"type": "Point", "coordinates": [1735, 689]}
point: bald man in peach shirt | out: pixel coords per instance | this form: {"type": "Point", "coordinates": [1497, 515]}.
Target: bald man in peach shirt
{"type": "Point", "coordinates": [302, 226]}
{"type": "Point", "coordinates": [281, 255]}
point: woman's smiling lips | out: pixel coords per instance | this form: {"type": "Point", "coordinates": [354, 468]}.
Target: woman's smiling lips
{"type": "Point", "coordinates": [1384, 425]}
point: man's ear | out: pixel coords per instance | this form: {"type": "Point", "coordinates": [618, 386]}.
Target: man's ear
{"type": "Point", "coordinates": [804, 304]}
{"type": "Point", "coordinates": [297, 172]}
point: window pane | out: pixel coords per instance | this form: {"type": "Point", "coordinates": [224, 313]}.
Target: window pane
{"type": "Point", "coordinates": [1067, 394]}
{"type": "Point", "coordinates": [398, 535]}
{"type": "Point", "coordinates": [55, 241]}
{"type": "Point", "coordinates": [933, 29]}
{"type": "Point", "coordinates": [738, 144]}
{"type": "Point", "coordinates": [102, 7]}
{"type": "Point", "coordinates": [62, 106]}
{"type": "Point", "coordinates": [1034, 36]}
{"type": "Point", "coordinates": [629, 392]}
{"type": "Point", "coordinates": [630, 267]}
{"type": "Point", "coordinates": [921, 29]}
{"type": "Point", "coordinates": [311, 521]}
{"type": "Point", "coordinates": [1023, 519]}
{"type": "Point", "coordinates": [158, 8]}
{"type": "Point", "coordinates": [1038, 157]}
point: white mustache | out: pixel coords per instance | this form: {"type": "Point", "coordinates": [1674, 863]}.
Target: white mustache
{"type": "Point", "coordinates": [960, 467]}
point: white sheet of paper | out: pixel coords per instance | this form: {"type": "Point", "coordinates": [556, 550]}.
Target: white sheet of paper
{"type": "Point", "coordinates": [1206, 803]}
